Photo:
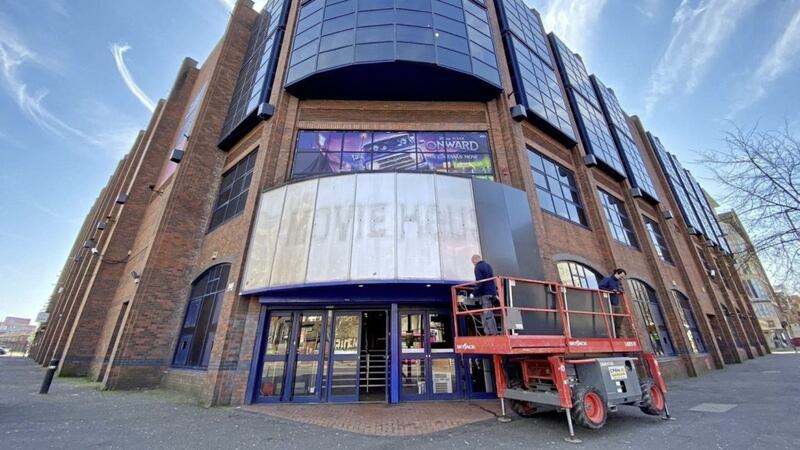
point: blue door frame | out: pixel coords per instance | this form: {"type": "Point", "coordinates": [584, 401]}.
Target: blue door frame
{"type": "Point", "coordinates": [422, 355]}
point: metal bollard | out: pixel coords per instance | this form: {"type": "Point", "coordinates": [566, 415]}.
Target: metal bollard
{"type": "Point", "coordinates": [48, 376]}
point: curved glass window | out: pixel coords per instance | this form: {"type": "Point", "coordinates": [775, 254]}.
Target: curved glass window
{"type": "Point", "coordinates": [644, 297]}
{"type": "Point", "coordinates": [576, 274]}
{"type": "Point", "coordinates": [200, 322]}
{"type": "Point", "coordinates": [689, 323]}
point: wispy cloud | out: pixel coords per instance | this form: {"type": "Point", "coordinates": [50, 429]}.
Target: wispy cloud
{"type": "Point", "coordinates": [781, 58]}
{"type": "Point", "coordinates": [15, 56]}
{"type": "Point", "coordinates": [572, 20]}
{"type": "Point", "coordinates": [118, 51]}
{"type": "Point", "coordinates": [648, 8]}
{"type": "Point", "coordinates": [699, 30]}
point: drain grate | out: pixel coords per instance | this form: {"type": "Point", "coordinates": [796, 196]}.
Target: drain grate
{"type": "Point", "coordinates": [713, 407]}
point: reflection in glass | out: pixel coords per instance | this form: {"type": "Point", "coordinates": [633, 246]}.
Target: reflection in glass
{"type": "Point", "coordinates": [441, 333]}
{"type": "Point", "coordinates": [280, 327]}
{"type": "Point", "coordinates": [305, 378]}
{"type": "Point", "coordinates": [412, 376]}
{"type": "Point", "coordinates": [443, 372]}
{"type": "Point", "coordinates": [481, 375]}
{"type": "Point", "coordinates": [346, 335]}
{"type": "Point", "coordinates": [344, 376]}
{"type": "Point", "coordinates": [411, 333]}
{"type": "Point", "coordinates": [272, 378]}
{"type": "Point", "coordinates": [308, 341]}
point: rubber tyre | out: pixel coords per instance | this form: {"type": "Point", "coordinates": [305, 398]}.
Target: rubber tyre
{"type": "Point", "coordinates": [589, 408]}
{"type": "Point", "coordinates": [520, 407]}
{"type": "Point", "coordinates": [653, 401]}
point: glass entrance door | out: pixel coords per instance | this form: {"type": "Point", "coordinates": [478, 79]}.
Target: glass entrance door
{"type": "Point", "coordinates": [428, 369]}
{"type": "Point", "coordinates": [292, 361]}
{"type": "Point", "coordinates": [344, 366]}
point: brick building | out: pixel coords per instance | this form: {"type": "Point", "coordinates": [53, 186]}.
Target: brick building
{"type": "Point", "coordinates": [287, 227]}
{"type": "Point", "coordinates": [766, 301]}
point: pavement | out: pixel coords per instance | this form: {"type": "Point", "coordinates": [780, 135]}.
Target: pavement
{"type": "Point", "coordinates": [749, 405]}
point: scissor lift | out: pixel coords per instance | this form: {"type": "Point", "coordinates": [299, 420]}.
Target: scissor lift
{"type": "Point", "coordinates": [558, 348]}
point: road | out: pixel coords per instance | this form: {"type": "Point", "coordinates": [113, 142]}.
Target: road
{"type": "Point", "coordinates": [760, 398]}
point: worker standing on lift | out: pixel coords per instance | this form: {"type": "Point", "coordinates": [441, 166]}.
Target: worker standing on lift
{"type": "Point", "coordinates": [613, 284]}
{"type": "Point", "coordinates": [486, 292]}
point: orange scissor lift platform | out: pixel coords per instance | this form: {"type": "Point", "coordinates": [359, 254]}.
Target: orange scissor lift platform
{"type": "Point", "coordinates": [558, 347]}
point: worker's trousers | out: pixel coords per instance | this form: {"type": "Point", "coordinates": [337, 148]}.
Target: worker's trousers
{"type": "Point", "coordinates": [487, 317]}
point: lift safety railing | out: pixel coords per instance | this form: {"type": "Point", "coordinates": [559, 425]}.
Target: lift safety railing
{"type": "Point", "coordinates": [541, 317]}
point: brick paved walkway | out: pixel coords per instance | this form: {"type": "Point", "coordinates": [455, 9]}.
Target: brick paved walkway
{"type": "Point", "coordinates": [378, 419]}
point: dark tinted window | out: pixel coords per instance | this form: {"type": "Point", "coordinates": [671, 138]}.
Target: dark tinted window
{"type": "Point", "coordinates": [693, 336]}
{"type": "Point", "coordinates": [233, 191]}
{"type": "Point", "coordinates": [200, 321]}
{"type": "Point", "coordinates": [655, 326]}
{"type": "Point", "coordinates": [618, 221]}
{"type": "Point", "coordinates": [659, 243]}
{"type": "Point", "coordinates": [556, 188]}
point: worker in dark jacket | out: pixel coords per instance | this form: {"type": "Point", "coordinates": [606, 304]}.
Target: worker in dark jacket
{"type": "Point", "coordinates": [486, 293]}
{"type": "Point", "coordinates": [613, 284]}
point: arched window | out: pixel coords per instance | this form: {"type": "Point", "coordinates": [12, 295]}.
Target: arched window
{"type": "Point", "coordinates": [656, 327]}
{"type": "Point", "coordinates": [200, 323]}
{"type": "Point", "coordinates": [578, 275]}
{"type": "Point", "coordinates": [689, 323]}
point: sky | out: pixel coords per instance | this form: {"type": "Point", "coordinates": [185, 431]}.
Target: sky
{"type": "Point", "coordinates": [79, 78]}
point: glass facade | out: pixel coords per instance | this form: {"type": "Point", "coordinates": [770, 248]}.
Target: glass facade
{"type": "Point", "coordinates": [532, 68]}
{"type": "Point", "coordinates": [557, 189]}
{"type": "Point", "coordinates": [323, 152]}
{"type": "Point", "coordinates": [258, 70]}
{"type": "Point", "coordinates": [592, 125]}
{"type": "Point", "coordinates": [674, 181]}
{"type": "Point", "coordinates": [453, 34]}
{"type": "Point", "coordinates": [659, 243]}
{"type": "Point", "coordinates": [631, 156]}
{"type": "Point", "coordinates": [200, 322]}
{"type": "Point", "coordinates": [617, 218]}
{"type": "Point", "coordinates": [646, 302]}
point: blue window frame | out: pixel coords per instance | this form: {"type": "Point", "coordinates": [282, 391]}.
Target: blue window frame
{"type": "Point", "coordinates": [556, 188]}
{"type": "Point", "coordinates": [618, 221]}
{"type": "Point", "coordinates": [196, 336]}
{"type": "Point", "coordinates": [233, 191]}
{"type": "Point", "coordinates": [452, 33]}
{"type": "Point", "coordinates": [659, 243]}
{"type": "Point", "coordinates": [631, 156]}
{"type": "Point", "coordinates": [532, 68]}
{"type": "Point", "coordinates": [690, 328]}
{"type": "Point", "coordinates": [254, 84]}
{"type": "Point", "coordinates": [592, 125]}
{"type": "Point", "coordinates": [646, 302]}
{"type": "Point", "coordinates": [674, 181]}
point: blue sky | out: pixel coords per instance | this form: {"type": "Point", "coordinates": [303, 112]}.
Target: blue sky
{"type": "Point", "coordinates": [78, 80]}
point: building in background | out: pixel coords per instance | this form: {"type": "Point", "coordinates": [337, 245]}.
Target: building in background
{"type": "Point", "coordinates": [789, 306]}
{"type": "Point", "coordinates": [765, 300]}
{"type": "Point", "coordinates": [287, 227]}
{"type": "Point", "coordinates": [16, 334]}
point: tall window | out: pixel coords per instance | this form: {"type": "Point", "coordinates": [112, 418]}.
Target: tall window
{"type": "Point", "coordinates": [233, 191]}
{"type": "Point", "coordinates": [659, 243]}
{"type": "Point", "coordinates": [200, 322]}
{"type": "Point", "coordinates": [557, 189]}
{"type": "Point", "coordinates": [578, 275]}
{"type": "Point", "coordinates": [647, 303]}
{"type": "Point", "coordinates": [689, 323]}
{"type": "Point", "coordinates": [617, 218]}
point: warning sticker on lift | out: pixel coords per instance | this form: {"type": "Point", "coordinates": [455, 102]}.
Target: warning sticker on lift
{"type": "Point", "coordinates": [617, 373]}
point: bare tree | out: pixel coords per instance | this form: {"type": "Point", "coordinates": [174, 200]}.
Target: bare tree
{"type": "Point", "coordinates": [760, 174]}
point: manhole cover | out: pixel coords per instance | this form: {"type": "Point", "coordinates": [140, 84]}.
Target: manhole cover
{"type": "Point", "coordinates": [713, 407]}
